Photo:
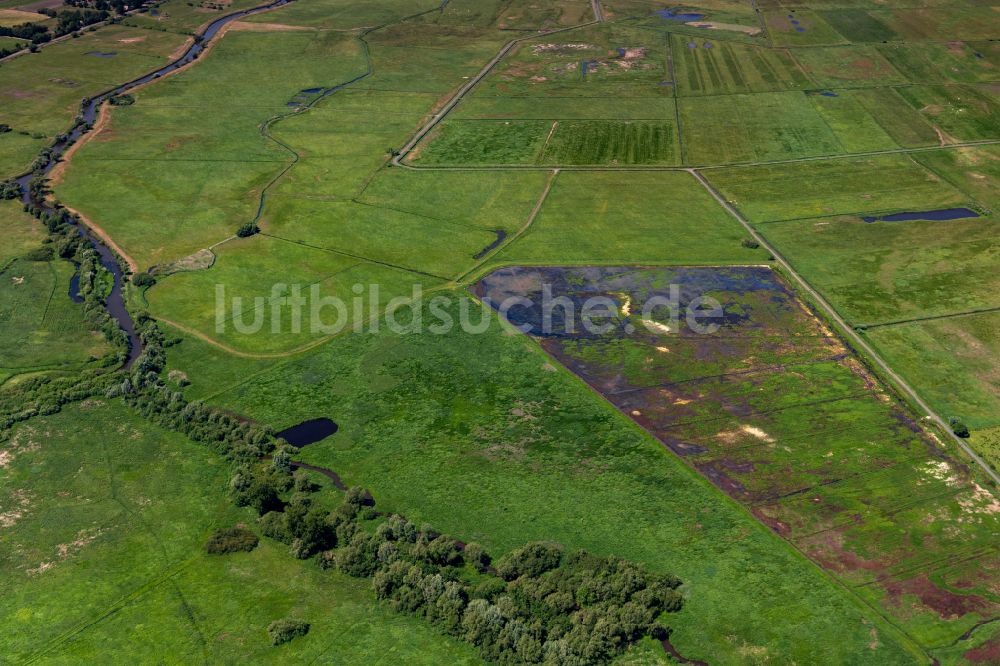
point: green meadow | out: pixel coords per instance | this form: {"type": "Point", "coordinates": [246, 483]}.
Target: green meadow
{"type": "Point", "coordinates": [483, 436]}
{"type": "Point", "coordinates": [104, 520]}
{"type": "Point", "coordinates": [851, 532]}
{"type": "Point", "coordinates": [40, 327]}
{"type": "Point", "coordinates": [41, 92]}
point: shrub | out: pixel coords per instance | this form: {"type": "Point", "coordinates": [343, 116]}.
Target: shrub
{"type": "Point", "coordinates": [121, 100]}
{"type": "Point", "coordinates": [248, 229]}
{"type": "Point", "coordinates": [750, 243]}
{"type": "Point", "coordinates": [43, 253]}
{"type": "Point", "coordinates": [231, 540]}
{"type": "Point", "coordinates": [531, 560]}
{"type": "Point", "coordinates": [959, 428]}
{"type": "Point", "coordinates": [10, 189]}
{"type": "Point", "coordinates": [143, 280]}
{"type": "Point", "coordinates": [284, 630]}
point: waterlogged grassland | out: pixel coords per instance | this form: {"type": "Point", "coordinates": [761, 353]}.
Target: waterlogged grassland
{"type": "Point", "coordinates": [891, 271]}
{"type": "Point", "coordinates": [712, 67]}
{"type": "Point", "coordinates": [776, 412]}
{"type": "Point", "coordinates": [206, 119]}
{"type": "Point", "coordinates": [40, 93]}
{"type": "Point", "coordinates": [753, 128]}
{"type": "Point", "coordinates": [482, 436]}
{"type": "Point", "coordinates": [881, 184]}
{"type": "Point", "coordinates": [629, 217]}
{"type": "Point", "coordinates": [953, 363]}
{"type": "Point", "coordinates": [105, 520]}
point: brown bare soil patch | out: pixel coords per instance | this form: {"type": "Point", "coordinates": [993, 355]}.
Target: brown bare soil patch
{"type": "Point", "coordinates": [753, 31]}
{"type": "Point", "coordinates": [106, 239]}
{"type": "Point", "coordinates": [987, 653]}
{"type": "Point", "coordinates": [947, 605]}
{"type": "Point", "coordinates": [102, 122]}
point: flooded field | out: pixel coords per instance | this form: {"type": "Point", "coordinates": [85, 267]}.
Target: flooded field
{"type": "Point", "coordinates": [769, 405]}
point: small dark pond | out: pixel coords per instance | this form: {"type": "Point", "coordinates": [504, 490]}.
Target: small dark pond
{"type": "Point", "coordinates": [312, 91]}
{"type": "Point", "coordinates": [74, 289]}
{"type": "Point", "coordinates": [674, 15]}
{"type": "Point", "coordinates": [942, 215]}
{"type": "Point", "coordinates": [308, 432]}
{"type": "Point", "coordinates": [501, 235]}
{"type": "Point", "coordinates": [103, 54]}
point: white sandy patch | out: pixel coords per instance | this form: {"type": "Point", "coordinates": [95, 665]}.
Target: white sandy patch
{"type": "Point", "coordinates": [731, 27]}
{"type": "Point", "coordinates": [19, 502]}
{"type": "Point", "coordinates": [756, 432]}
{"type": "Point", "coordinates": [981, 501]}
{"type": "Point", "coordinates": [655, 326]}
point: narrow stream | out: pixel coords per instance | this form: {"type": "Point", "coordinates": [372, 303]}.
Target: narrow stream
{"type": "Point", "coordinates": [115, 303]}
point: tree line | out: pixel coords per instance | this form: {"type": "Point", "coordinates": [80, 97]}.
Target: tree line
{"type": "Point", "coordinates": [537, 604]}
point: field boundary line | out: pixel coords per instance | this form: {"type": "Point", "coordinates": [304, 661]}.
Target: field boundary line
{"type": "Point", "coordinates": [520, 232]}
{"type": "Point", "coordinates": [450, 105]}
{"type": "Point", "coordinates": [917, 320]}
{"type": "Point", "coordinates": [849, 333]}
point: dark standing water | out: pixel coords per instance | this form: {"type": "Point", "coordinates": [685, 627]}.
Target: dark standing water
{"type": "Point", "coordinates": [501, 235]}
{"type": "Point", "coordinates": [102, 54]}
{"type": "Point", "coordinates": [115, 304]}
{"type": "Point", "coordinates": [74, 288]}
{"type": "Point", "coordinates": [674, 15]}
{"type": "Point", "coordinates": [942, 215]}
{"type": "Point", "coordinates": [308, 432]}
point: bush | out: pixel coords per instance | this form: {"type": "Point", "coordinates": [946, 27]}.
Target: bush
{"type": "Point", "coordinates": [121, 100]}
{"type": "Point", "coordinates": [43, 253]}
{"type": "Point", "coordinates": [10, 189]}
{"type": "Point", "coordinates": [248, 229]}
{"type": "Point", "coordinates": [530, 560]}
{"type": "Point", "coordinates": [231, 540]}
{"type": "Point", "coordinates": [282, 631]}
{"type": "Point", "coordinates": [143, 280]}
{"type": "Point", "coordinates": [959, 428]}
{"type": "Point", "coordinates": [750, 243]}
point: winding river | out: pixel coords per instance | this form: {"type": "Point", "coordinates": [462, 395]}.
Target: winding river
{"type": "Point", "coordinates": [115, 302]}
